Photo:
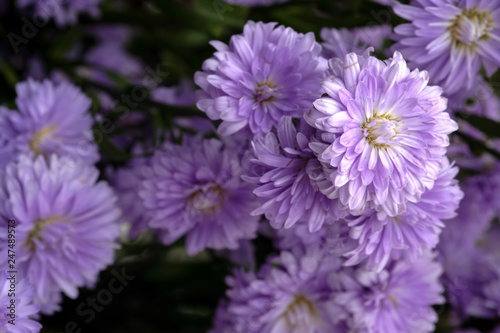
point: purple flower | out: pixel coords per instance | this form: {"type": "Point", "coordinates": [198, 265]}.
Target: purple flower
{"type": "Point", "coordinates": [450, 39]}
{"type": "Point", "coordinates": [386, 132]}
{"type": "Point", "coordinates": [64, 12]}
{"type": "Point", "coordinates": [410, 233]}
{"type": "Point", "coordinates": [398, 299]}
{"type": "Point", "coordinates": [339, 42]}
{"type": "Point", "coordinates": [52, 119]}
{"type": "Point", "coordinates": [67, 225]}
{"type": "Point", "coordinates": [21, 322]}
{"type": "Point", "coordinates": [290, 294]}
{"type": "Point", "coordinates": [289, 177]}
{"type": "Point", "coordinates": [262, 75]}
{"type": "Point", "coordinates": [195, 189]}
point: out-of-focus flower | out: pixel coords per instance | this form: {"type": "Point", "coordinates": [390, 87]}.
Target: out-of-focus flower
{"type": "Point", "coordinates": [387, 131]}
{"type": "Point", "coordinates": [339, 42]}
{"type": "Point", "coordinates": [195, 190]}
{"type": "Point", "coordinates": [409, 234]}
{"type": "Point", "coordinates": [289, 177]}
{"type": "Point", "coordinates": [262, 75]}
{"type": "Point", "coordinates": [23, 310]}
{"type": "Point", "coordinates": [398, 299]}
{"type": "Point", "coordinates": [290, 294]}
{"type": "Point", "coordinates": [63, 12]}
{"type": "Point", "coordinates": [52, 119]}
{"type": "Point", "coordinates": [67, 225]}
{"type": "Point", "coordinates": [450, 39]}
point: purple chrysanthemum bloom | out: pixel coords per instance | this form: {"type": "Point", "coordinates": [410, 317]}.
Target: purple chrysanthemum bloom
{"type": "Point", "coordinates": [262, 75]}
{"type": "Point", "coordinates": [52, 119]}
{"type": "Point", "coordinates": [24, 310]}
{"type": "Point", "coordinates": [288, 177]}
{"type": "Point", "coordinates": [398, 299]}
{"type": "Point", "coordinates": [339, 42]}
{"type": "Point", "coordinates": [196, 189]}
{"type": "Point", "coordinates": [67, 225]}
{"type": "Point", "coordinates": [290, 294]}
{"type": "Point", "coordinates": [450, 39]}
{"type": "Point", "coordinates": [64, 12]}
{"type": "Point", "coordinates": [410, 233]}
{"type": "Point", "coordinates": [388, 131]}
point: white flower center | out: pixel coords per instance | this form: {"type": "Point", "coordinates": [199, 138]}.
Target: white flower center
{"type": "Point", "coordinates": [207, 199]}
{"type": "Point", "coordinates": [470, 27]}
{"type": "Point", "coordinates": [380, 131]}
{"type": "Point", "coordinates": [301, 312]}
{"type": "Point", "coordinates": [38, 138]}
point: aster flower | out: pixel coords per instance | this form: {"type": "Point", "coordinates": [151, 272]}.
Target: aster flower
{"type": "Point", "coordinates": [408, 234]}
{"type": "Point", "coordinates": [262, 75]}
{"type": "Point", "coordinates": [289, 177]}
{"type": "Point", "coordinates": [387, 132]}
{"type": "Point", "coordinates": [63, 12]}
{"type": "Point", "coordinates": [67, 225]}
{"type": "Point", "coordinates": [398, 299]}
{"type": "Point", "coordinates": [195, 190]}
{"type": "Point", "coordinates": [24, 309]}
{"type": "Point", "coordinates": [451, 39]}
{"type": "Point", "coordinates": [339, 42]}
{"type": "Point", "coordinates": [52, 119]}
{"type": "Point", "coordinates": [290, 294]}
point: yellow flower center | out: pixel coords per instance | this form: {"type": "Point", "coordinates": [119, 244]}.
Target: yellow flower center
{"type": "Point", "coordinates": [40, 225]}
{"type": "Point", "coordinates": [470, 27]}
{"type": "Point", "coordinates": [207, 200]}
{"type": "Point", "coordinates": [39, 136]}
{"type": "Point", "coordinates": [295, 311]}
{"type": "Point", "coordinates": [379, 131]}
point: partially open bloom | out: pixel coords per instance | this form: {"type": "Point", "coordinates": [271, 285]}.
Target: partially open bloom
{"type": "Point", "coordinates": [196, 190]}
{"type": "Point", "coordinates": [21, 318]}
{"type": "Point", "coordinates": [398, 299]}
{"type": "Point", "coordinates": [262, 75]}
{"type": "Point", "coordinates": [289, 177]}
{"type": "Point", "coordinates": [290, 294]}
{"type": "Point", "coordinates": [67, 225]}
{"type": "Point", "coordinates": [52, 119]}
{"type": "Point", "coordinates": [450, 39]}
{"type": "Point", "coordinates": [388, 131]}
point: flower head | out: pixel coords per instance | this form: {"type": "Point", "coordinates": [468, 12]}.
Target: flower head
{"type": "Point", "coordinates": [67, 225]}
{"type": "Point", "coordinates": [195, 189]}
{"type": "Point", "coordinates": [409, 234]}
{"type": "Point", "coordinates": [386, 131]}
{"type": "Point", "coordinates": [451, 39]}
{"type": "Point", "coordinates": [289, 177]}
{"type": "Point", "coordinates": [52, 119]}
{"type": "Point", "coordinates": [290, 294]}
{"type": "Point", "coordinates": [263, 74]}
{"type": "Point", "coordinates": [398, 299]}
